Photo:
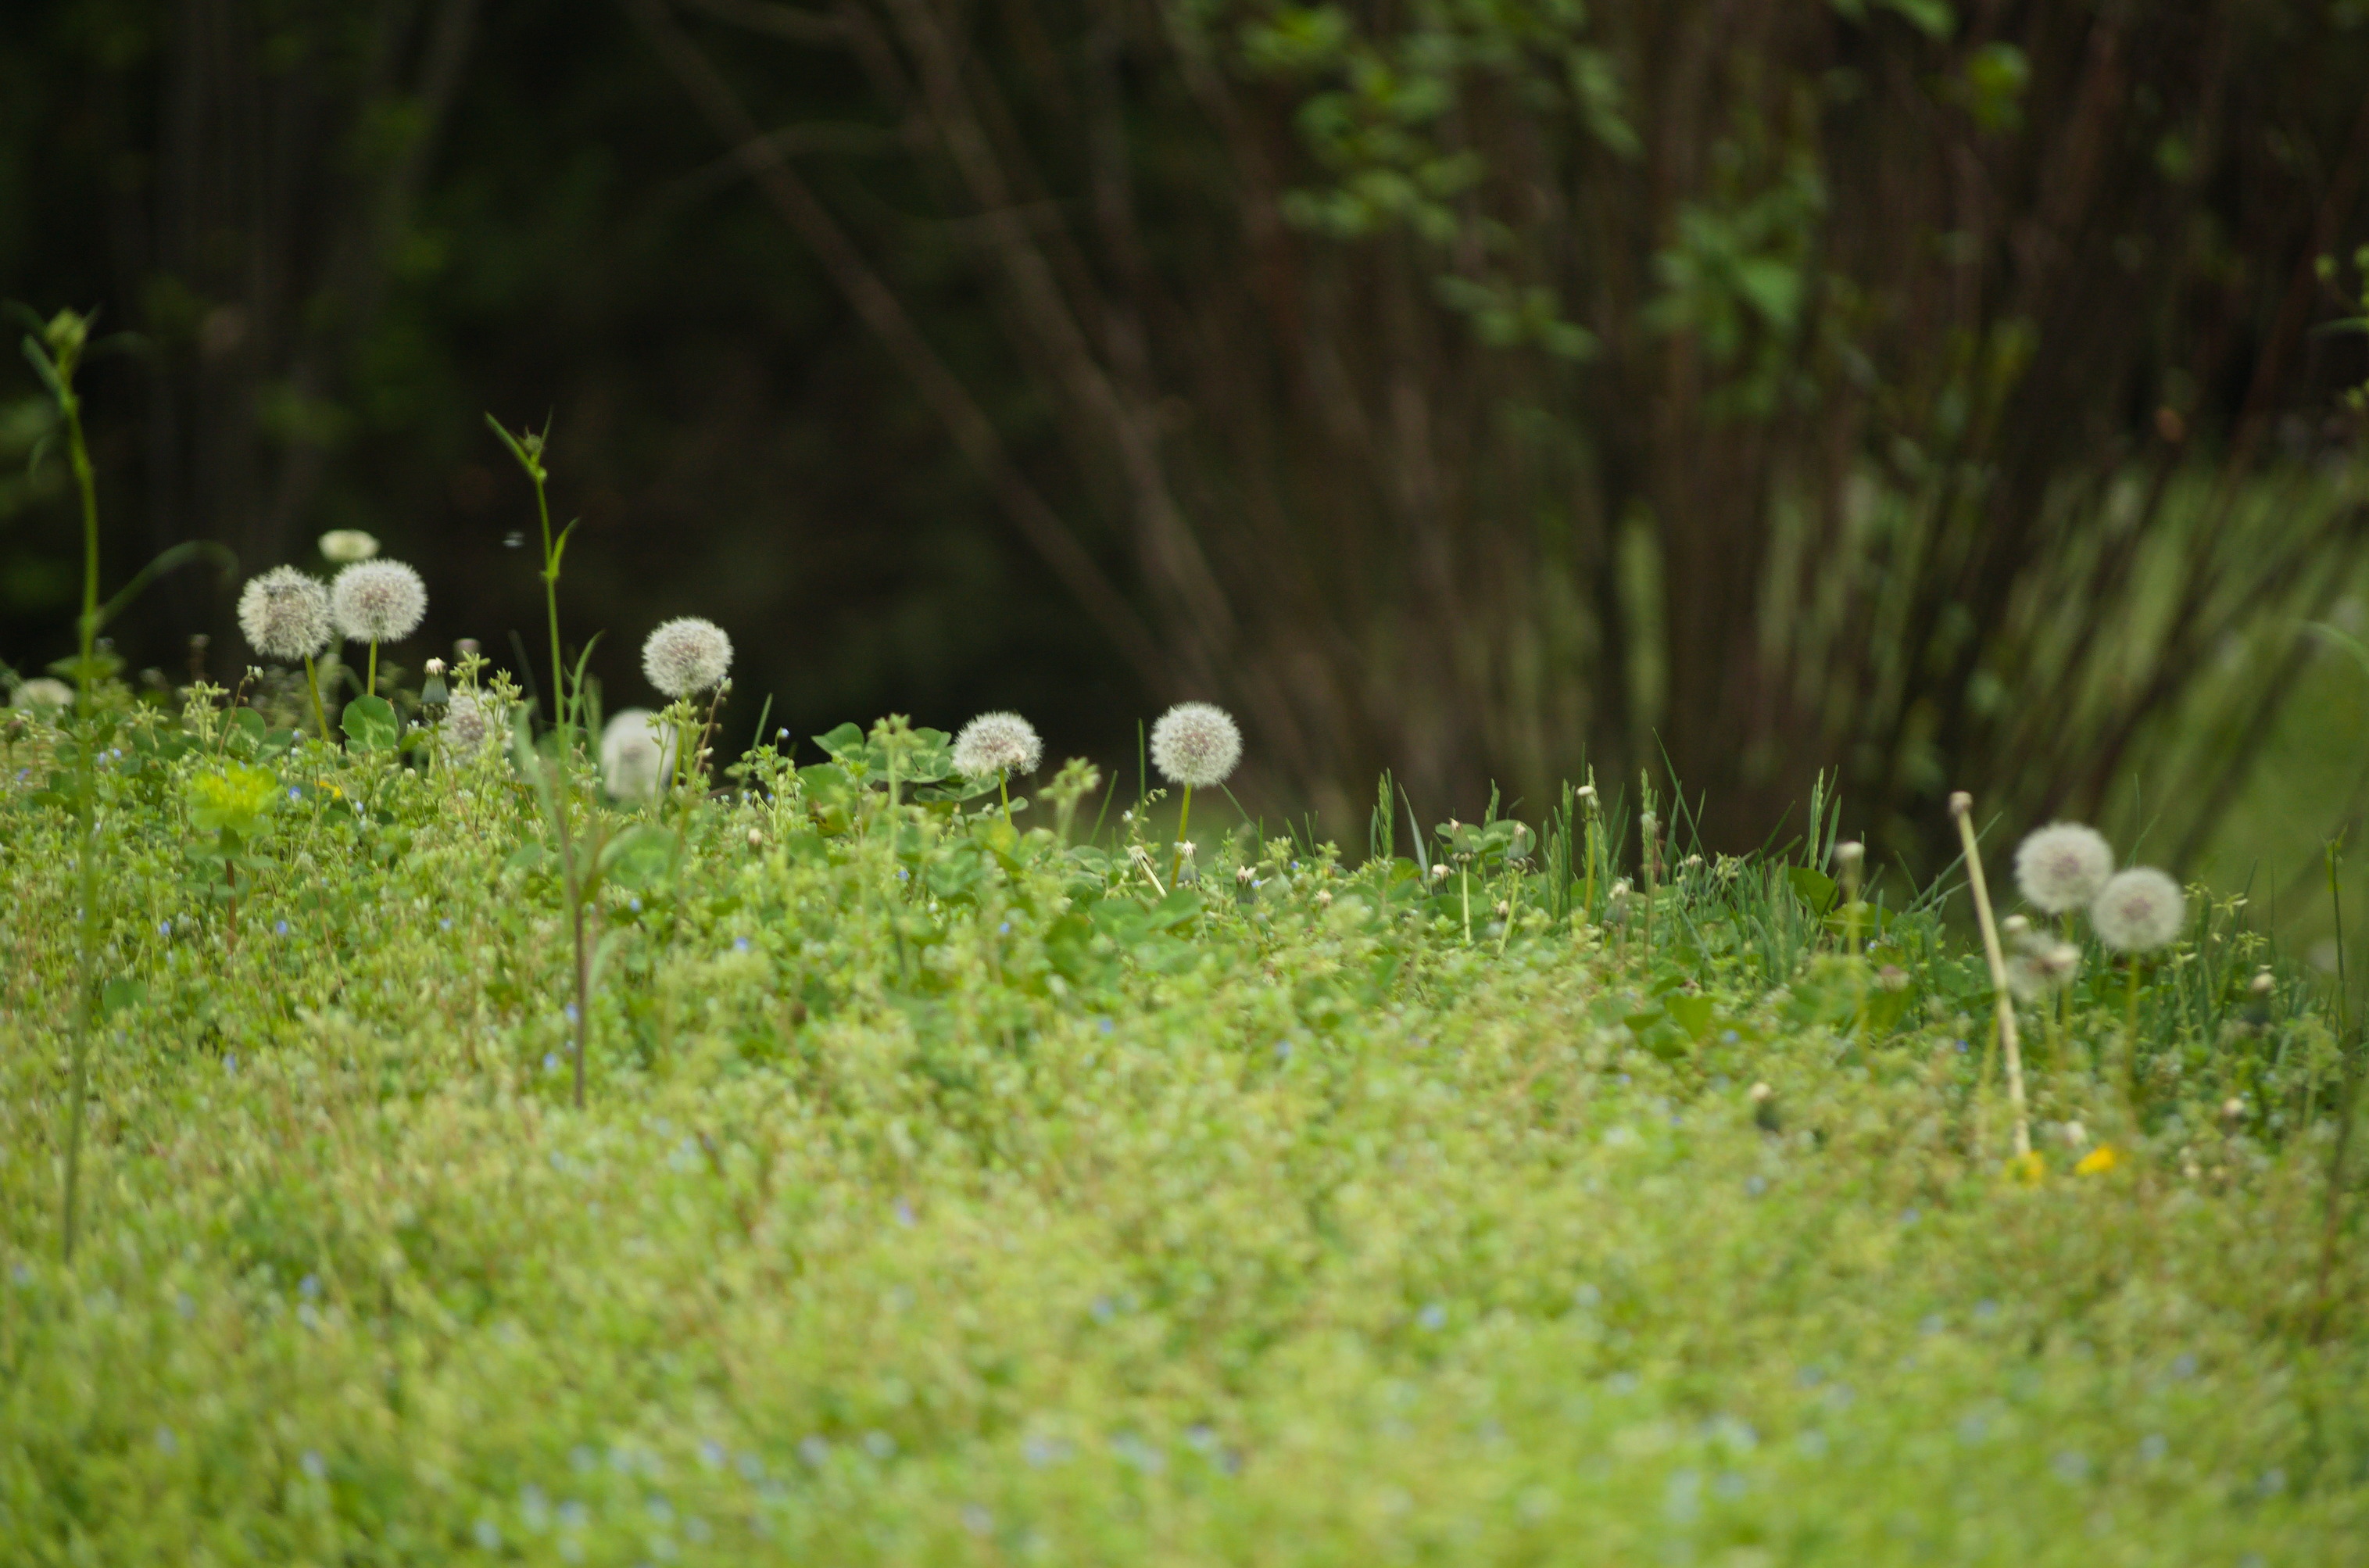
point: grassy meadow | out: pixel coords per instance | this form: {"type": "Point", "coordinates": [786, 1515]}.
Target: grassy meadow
{"type": "Point", "coordinates": [957, 1184]}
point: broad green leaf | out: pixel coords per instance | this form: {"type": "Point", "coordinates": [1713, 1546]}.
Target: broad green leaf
{"type": "Point", "coordinates": [370, 723]}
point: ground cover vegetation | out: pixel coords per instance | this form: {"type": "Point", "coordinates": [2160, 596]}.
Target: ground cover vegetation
{"type": "Point", "coordinates": [434, 1130]}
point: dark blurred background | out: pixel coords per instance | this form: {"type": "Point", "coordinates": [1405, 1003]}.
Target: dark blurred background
{"type": "Point", "coordinates": [1935, 396]}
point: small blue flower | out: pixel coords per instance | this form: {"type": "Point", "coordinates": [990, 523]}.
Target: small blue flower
{"type": "Point", "coordinates": [280, 927]}
{"type": "Point", "coordinates": [310, 1285]}
{"type": "Point", "coordinates": [295, 794]}
{"type": "Point", "coordinates": [634, 904]}
{"type": "Point", "coordinates": [1434, 1316]}
{"type": "Point", "coordinates": [905, 1214]}
{"type": "Point", "coordinates": [1005, 929]}
{"type": "Point", "coordinates": [230, 1062]}
{"type": "Point", "coordinates": [164, 928]}
{"type": "Point", "coordinates": [444, 924]}
{"type": "Point", "coordinates": [313, 1464]}
{"type": "Point", "coordinates": [551, 1064]}
{"type": "Point", "coordinates": [739, 945]}
{"type": "Point", "coordinates": [570, 1011]}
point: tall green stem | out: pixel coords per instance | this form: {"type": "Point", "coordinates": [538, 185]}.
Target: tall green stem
{"type": "Point", "coordinates": [1183, 820]}
{"type": "Point", "coordinates": [312, 685]}
{"type": "Point", "coordinates": [559, 706]}
{"type": "Point", "coordinates": [370, 686]}
{"type": "Point", "coordinates": [86, 783]}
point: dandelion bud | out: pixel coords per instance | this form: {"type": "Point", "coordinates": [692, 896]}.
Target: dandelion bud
{"type": "Point", "coordinates": [2233, 1109]}
{"type": "Point", "coordinates": [1243, 876]}
{"type": "Point", "coordinates": [1587, 793]}
{"type": "Point", "coordinates": [686, 655]}
{"type": "Point", "coordinates": [1438, 870]}
{"type": "Point", "coordinates": [1691, 862]}
{"type": "Point", "coordinates": [2076, 1135]}
{"type": "Point", "coordinates": [1324, 897]}
{"type": "Point", "coordinates": [1196, 745]}
{"type": "Point", "coordinates": [378, 602]}
{"type": "Point", "coordinates": [2062, 866]}
{"type": "Point", "coordinates": [2016, 925]}
{"type": "Point", "coordinates": [284, 615]}
{"type": "Point", "coordinates": [347, 546]}
{"type": "Point", "coordinates": [2041, 966]}
{"type": "Point", "coordinates": [1187, 848]}
{"type": "Point", "coordinates": [995, 744]}
{"type": "Point", "coordinates": [756, 838]}
{"type": "Point", "coordinates": [2138, 911]}
{"type": "Point", "coordinates": [635, 756]}
{"type": "Point", "coordinates": [1848, 853]}
{"type": "Point", "coordinates": [2262, 984]}
{"type": "Point", "coordinates": [1762, 1094]}
{"type": "Point", "coordinates": [1961, 802]}
{"type": "Point", "coordinates": [435, 668]}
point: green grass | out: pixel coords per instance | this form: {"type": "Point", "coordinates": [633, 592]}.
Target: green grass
{"type": "Point", "coordinates": [943, 1195]}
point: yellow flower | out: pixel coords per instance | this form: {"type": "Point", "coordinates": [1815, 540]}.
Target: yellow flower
{"type": "Point", "coordinates": [2098, 1161]}
{"type": "Point", "coordinates": [2027, 1168]}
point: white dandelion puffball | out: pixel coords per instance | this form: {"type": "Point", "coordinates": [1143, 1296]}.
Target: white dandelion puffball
{"type": "Point", "coordinates": [347, 546]}
{"type": "Point", "coordinates": [475, 723]}
{"type": "Point", "coordinates": [2139, 909]}
{"type": "Point", "coordinates": [378, 602]}
{"type": "Point", "coordinates": [285, 614]}
{"type": "Point", "coordinates": [687, 655]}
{"type": "Point", "coordinates": [43, 693]}
{"type": "Point", "coordinates": [637, 754]}
{"type": "Point", "coordinates": [997, 743]}
{"type": "Point", "coordinates": [1196, 745]}
{"type": "Point", "coordinates": [2062, 866]}
{"type": "Point", "coordinates": [2041, 965]}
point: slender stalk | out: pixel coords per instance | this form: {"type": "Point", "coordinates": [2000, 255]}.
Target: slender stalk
{"type": "Point", "coordinates": [1003, 788]}
{"type": "Point", "coordinates": [2130, 1042]}
{"type": "Point", "coordinates": [65, 344]}
{"type": "Point", "coordinates": [562, 711]}
{"type": "Point", "coordinates": [312, 685]}
{"type": "Point", "coordinates": [370, 686]}
{"type": "Point", "coordinates": [1960, 808]}
{"type": "Point", "coordinates": [1183, 820]}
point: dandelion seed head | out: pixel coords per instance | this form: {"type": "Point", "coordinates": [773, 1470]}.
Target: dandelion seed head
{"type": "Point", "coordinates": [2041, 966]}
{"type": "Point", "coordinates": [997, 743]}
{"type": "Point", "coordinates": [2138, 911]}
{"type": "Point", "coordinates": [687, 655]}
{"type": "Point", "coordinates": [636, 755]}
{"type": "Point", "coordinates": [42, 692]}
{"type": "Point", "coordinates": [378, 602]}
{"type": "Point", "coordinates": [347, 546]}
{"type": "Point", "coordinates": [1196, 745]}
{"type": "Point", "coordinates": [2062, 866]}
{"type": "Point", "coordinates": [285, 614]}
{"type": "Point", "coordinates": [474, 722]}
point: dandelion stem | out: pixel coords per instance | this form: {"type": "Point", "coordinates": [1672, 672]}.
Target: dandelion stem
{"type": "Point", "coordinates": [312, 685]}
{"type": "Point", "coordinates": [1003, 788]}
{"type": "Point", "coordinates": [1961, 807]}
{"type": "Point", "coordinates": [1183, 818]}
{"type": "Point", "coordinates": [370, 686]}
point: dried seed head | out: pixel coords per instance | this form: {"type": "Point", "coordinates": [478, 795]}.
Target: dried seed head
{"type": "Point", "coordinates": [284, 615]}
{"type": "Point", "coordinates": [43, 693]}
{"type": "Point", "coordinates": [347, 546]}
{"type": "Point", "coordinates": [2138, 911]}
{"type": "Point", "coordinates": [637, 754]}
{"type": "Point", "coordinates": [475, 723]}
{"type": "Point", "coordinates": [2041, 965]}
{"type": "Point", "coordinates": [687, 655]}
{"type": "Point", "coordinates": [995, 744]}
{"type": "Point", "coordinates": [2062, 866]}
{"type": "Point", "coordinates": [1196, 745]}
{"type": "Point", "coordinates": [378, 602]}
